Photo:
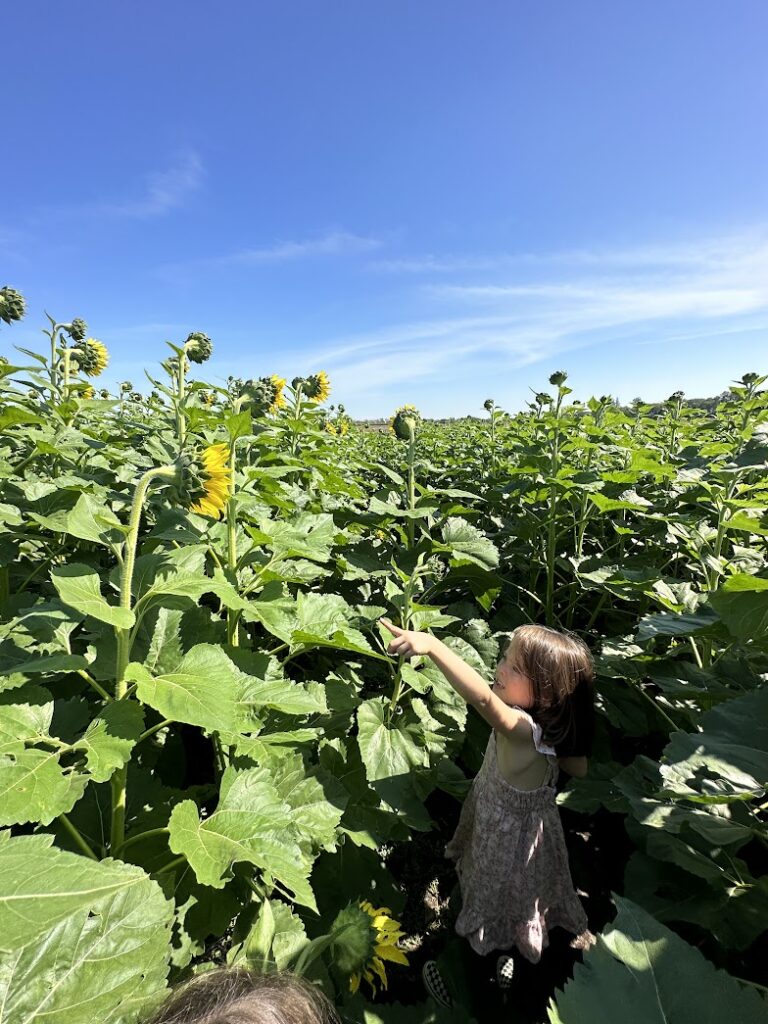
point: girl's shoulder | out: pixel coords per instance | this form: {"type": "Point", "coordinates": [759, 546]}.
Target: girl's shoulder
{"type": "Point", "coordinates": [536, 732]}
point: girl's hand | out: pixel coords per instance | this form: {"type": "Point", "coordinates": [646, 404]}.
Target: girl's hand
{"type": "Point", "coordinates": [407, 642]}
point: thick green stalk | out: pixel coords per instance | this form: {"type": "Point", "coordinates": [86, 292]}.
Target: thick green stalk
{"type": "Point", "coordinates": [181, 421]}
{"type": "Point", "coordinates": [232, 614]}
{"type": "Point", "coordinates": [552, 524]}
{"type": "Point", "coordinates": [295, 418]}
{"type": "Point", "coordinates": [411, 526]}
{"type": "Point", "coordinates": [123, 637]}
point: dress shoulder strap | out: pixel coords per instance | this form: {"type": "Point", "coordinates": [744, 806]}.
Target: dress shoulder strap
{"type": "Point", "coordinates": [538, 742]}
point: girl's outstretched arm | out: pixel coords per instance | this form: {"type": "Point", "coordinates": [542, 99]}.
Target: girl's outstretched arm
{"type": "Point", "coordinates": [462, 677]}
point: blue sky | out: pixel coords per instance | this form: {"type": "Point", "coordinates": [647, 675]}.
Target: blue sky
{"type": "Point", "coordinates": [435, 201]}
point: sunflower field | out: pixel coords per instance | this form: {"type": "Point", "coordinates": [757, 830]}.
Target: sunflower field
{"type": "Point", "coordinates": [207, 756]}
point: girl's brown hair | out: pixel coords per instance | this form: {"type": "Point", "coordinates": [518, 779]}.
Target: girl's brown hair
{"type": "Point", "coordinates": [236, 996]}
{"type": "Point", "coordinates": [561, 672]}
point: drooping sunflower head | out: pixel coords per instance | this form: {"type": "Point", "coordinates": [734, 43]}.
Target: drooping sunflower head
{"type": "Point", "coordinates": [93, 357]}
{"type": "Point", "coordinates": [363, 938]}
{"type": "Point", "coordinates": [198, 347]}
{"type": "Point", "coordinates": [317, 387]}
{"type": "Point", "coordinates": [261, 396]}
{"type": "Point", "coordinates": [488, 404]}
{"type": "Point", "coordinates": [405, 422]}
{"type": "Point", "coordinates": [204, 481]}
{"type": "Point", "coordinates": [278, 399]}
{"type": "Point", "coordinates": [77, 330]}
{"type": "Point", "coordinates": [12, 304]}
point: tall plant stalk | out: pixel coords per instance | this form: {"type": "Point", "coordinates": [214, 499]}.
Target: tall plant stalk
{"type": "Point", "coordinates": [123, 638]}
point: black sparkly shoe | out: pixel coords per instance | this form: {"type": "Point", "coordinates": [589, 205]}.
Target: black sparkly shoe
{"type": "Point", "coordinates": [435, 985]}
{"type": "Point", "coordinates": [505, 969]}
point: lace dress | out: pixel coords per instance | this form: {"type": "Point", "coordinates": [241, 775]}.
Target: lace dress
{"type": "Point", "coordinates": [512, 862]}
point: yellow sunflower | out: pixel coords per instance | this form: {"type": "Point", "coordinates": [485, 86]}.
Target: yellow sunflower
{"type": "Point", "coordinates": [88, 392]}
{"type": "Point", "coordinates": [318, 387]}
{"type": "Point", "coordinates": [364, 937]}
{"type": "Point", "coordinates": [92, 356]}
{"type": "Point", "coordinates": [215, 480]}
{"type": "Point", "coordinates": [330, 427]}
{"type": "Point", "coordinates": [278, 383]}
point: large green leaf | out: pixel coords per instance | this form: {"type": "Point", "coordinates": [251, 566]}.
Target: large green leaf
{"type": "Point", "coordinates": [469, 544]}
{"type": "Point", "coordinates": [79, 586]}
{"type": "Point", "coordinates": [641, 972]}
{"type": "Point", "coordinates": [205, 689]}
{"type": "Point", "coordinates": [728, 758]}
{"type": "Point", "coordinates": [87, 520]}
{"type": "Point", "coordinates": [110, 738]}
{"type": "Point", "coordinates": [253, 824]}
{"type": "Point", "coordinates": [34, 787]}
{"type": "Point", "coordinates": [79, 941]}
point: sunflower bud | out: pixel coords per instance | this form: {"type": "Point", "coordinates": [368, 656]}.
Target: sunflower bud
{"type": "Point", "coordinates": [542, 398]}
{"type": "Point", "coordinates": [198, 347]}
{"type": "Point", "coordinates": [126, 386]}
{"type": "Point", "coordinates": [12, 304]}
{"type": "Point", "coordinates": [405, 422]}
{"type": "Point", "coordinates": [558, 377]}
{"type": "Point", "coordinates": [297, 382]}
{"type": "Point", "coordinates": [77, 330]}
{"type": "Point", "coordinates": [488, 404]}
{"type": "Point", "coordinates": [136, 396]}
{"type": "Point", "coordinates": [104, 393]}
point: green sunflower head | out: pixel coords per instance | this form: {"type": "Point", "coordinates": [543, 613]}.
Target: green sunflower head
{"type": "Point", "coordinates": [12, 304]}
{"type": "Point", "coordinates": [198, 347]}
{"type": "Point", "coordinates": [77, 330]}
{"type": "Point", "coordinates": [405, 422]}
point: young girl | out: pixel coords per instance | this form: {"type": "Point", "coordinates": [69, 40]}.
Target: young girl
{"type": "Point", "coordinates": [509, 846]}
{"type": "Point", "coordinates": [232, 995]}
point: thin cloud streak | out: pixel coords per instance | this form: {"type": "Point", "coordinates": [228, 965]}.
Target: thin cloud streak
{"type": "Point", "coordinates": [162, 192]}
{"type": "Point", "coordinates": [334, 243]}
{"type": "Point", "coordinates": [702, 289]}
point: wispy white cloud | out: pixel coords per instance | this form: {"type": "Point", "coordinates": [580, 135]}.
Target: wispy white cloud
{"type": "Point", "coordinates": [159, 193]}
{"type": "Point", "coordinates": [333, 243]}
{"type": "Point", "coordinates": [674, 292]}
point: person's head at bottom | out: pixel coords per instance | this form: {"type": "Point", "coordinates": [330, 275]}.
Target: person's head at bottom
{"type": "Point", "coordinates": [237, 996]}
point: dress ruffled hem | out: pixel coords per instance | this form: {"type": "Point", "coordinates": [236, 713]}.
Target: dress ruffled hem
{"type": "Point", "coordinates": [530, 937]}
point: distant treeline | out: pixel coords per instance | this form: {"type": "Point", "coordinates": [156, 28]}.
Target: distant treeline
{"type": "Point", "coordinates": [649, 409]}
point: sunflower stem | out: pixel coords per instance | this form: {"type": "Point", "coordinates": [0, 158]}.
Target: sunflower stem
{"type": "Point", "coordinates": [123, 637]}
{"type": "Point", "coordinates": [232, 613]}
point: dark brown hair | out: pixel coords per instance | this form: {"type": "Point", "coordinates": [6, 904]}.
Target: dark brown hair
{"type": "Point", "coordinates": [561, 672]}
{"type": "Point", "coordinates": [237, 996]}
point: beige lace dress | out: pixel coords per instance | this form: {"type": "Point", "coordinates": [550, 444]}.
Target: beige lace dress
{"type": "Point", "coordinates": [512, 862]}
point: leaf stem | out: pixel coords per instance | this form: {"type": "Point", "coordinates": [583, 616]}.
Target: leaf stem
{"type": "Point", "coordinates": [76, 837]}
{"type": "Point", "coordinates": [97, 686]}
